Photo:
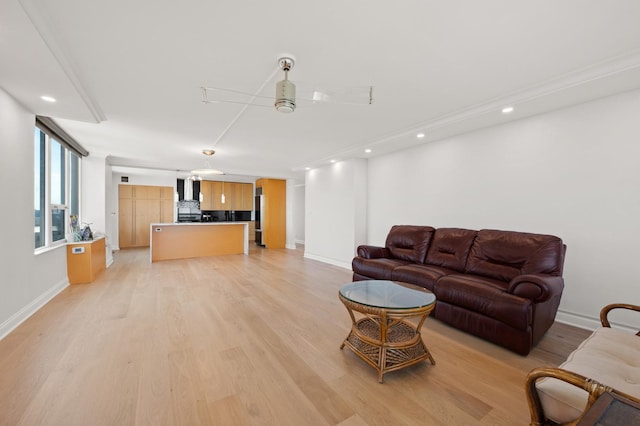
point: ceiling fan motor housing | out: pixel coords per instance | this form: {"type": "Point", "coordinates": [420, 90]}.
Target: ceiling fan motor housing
{"type": "Point", "coordinates": [285, 96]}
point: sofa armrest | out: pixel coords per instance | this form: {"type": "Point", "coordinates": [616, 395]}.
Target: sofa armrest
{"type": "Point", "coordinates": [592, 387]}
{"type": "Point", "coordinates": [605, 312]}
{"type": "Point", "coordinates": [372, 252]}
{"type": "Point", "coordinates": [536, 287]}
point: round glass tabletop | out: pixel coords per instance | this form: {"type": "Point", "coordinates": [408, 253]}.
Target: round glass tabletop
{"type": "Point", "coordinates": [387, 294]}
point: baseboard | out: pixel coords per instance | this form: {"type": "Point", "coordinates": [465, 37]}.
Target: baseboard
{"type": "Point", "coordinates": [23, 314]}
{"type": "Point", "coordinates": [329, 261]}
{"type": "Point", "coordinates": [586, 322]}
{"type": "Point", "coordinates": [291, 246]}
{"type": "Point", "coordinates": [300, 242]}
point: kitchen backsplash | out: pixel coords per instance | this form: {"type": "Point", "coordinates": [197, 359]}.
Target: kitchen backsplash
{"type": "Point", "coordinates": [192, 204]}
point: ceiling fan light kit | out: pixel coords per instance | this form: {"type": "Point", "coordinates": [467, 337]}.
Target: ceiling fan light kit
{"type": "Point", "coordinates": [285, 90]}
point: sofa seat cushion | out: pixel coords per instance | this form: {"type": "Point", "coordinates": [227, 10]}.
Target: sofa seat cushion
{"type": "Point", "coordinates": [485, 296]}
{"type": "Point", "coordinates": [422, 275]}
{"type": "Point", "coordinates": [609, 356]}
{"type": "Point", "coordinates": [377, 269]}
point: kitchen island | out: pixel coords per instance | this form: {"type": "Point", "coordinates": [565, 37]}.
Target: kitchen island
{"type": "Point", "coordinates": [185, 240]}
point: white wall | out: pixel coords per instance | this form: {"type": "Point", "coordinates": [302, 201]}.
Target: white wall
{"type": "Point", "coordinates": [298, 213]}
{"type": "Point", "coordinates": [574, 173]}
{"type": "Point", "coordinates": [27, 281]}
{"type": "Point", "coordinates": [335, 214]}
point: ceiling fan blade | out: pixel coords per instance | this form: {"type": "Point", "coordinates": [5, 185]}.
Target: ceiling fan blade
{"type": "Point", "coordinates": [212, 95]}
{"type": "Point", "coordinates": [354, 95]}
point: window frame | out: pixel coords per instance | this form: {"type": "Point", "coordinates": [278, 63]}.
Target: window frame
{"type": "Point", "coordinates": [47, 210]}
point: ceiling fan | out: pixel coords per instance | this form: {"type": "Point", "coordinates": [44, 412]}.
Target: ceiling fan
{"type": "Point", "coordinates": [285, 96]}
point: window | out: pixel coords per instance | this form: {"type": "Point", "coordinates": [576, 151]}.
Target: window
{"type": "Point", "coordinates": [56, 189]}
{"type": "Point", "coordinates": [40, 186]}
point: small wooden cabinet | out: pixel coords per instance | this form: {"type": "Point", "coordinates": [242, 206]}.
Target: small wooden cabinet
{"type": "Point", "coordinates": [85, 259]}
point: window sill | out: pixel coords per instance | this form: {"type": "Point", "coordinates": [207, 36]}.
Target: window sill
{"type": "Point", "coordinates": [54, 246]}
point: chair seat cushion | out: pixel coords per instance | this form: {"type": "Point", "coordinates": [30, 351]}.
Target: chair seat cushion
{"type": "Point", "coordinates": [609, 356]}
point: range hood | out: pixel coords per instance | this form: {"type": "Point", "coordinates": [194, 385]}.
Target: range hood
{"type": "Point", "coordinates": [188, 189]}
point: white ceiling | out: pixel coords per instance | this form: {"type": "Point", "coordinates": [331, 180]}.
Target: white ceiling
{"type": "Point", "coordinates": [127, 74]}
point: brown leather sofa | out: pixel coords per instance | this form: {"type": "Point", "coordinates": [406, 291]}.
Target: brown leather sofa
{"type": "Point", "coordinates": [502, 286]}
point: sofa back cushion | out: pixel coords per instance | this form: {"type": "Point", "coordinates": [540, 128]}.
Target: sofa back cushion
{"type": "Point", "coordinates": [504, 255]}
{"type": "Point", "coordinates": [450, 248]}
{"type": "Point", "coordinates": [409, 242]}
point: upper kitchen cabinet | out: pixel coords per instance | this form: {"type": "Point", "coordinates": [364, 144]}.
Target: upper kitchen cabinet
{"type": "Point", "coordinates": [237, 196]}
{"type": "Point", "coordinates": [247, 196]}
{"type": "Point", "coordinates": [216, 194]}
{"type": "Point", "coordinates": [206, 189]}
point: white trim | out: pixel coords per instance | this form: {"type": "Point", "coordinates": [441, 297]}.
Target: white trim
{"type": "Point", "coordinates": [300, 242]}
{"type": "Point", "coordinates": [327, 260]}
{"type": "Point", "coordinates": [587, 323]}
{"type": "Point", "coordinates": [23, 314]}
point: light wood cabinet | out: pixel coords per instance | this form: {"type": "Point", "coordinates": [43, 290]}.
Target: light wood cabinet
{"type": "Point", "coordinates": [247, 196]}
{"type": "Point", "coordinates": [126, 233]}
{"type": "Point", "coordinates": [166, 204]}
{"type": "Point", "coordinates": [206, 188]}
{"type": "Point", "coordinates": [274, 214]}
{"type": "Point", "coordinates": [216, 195]}
{"type": "Point", "coordinates": [237, 196]}
{"type": "Point", "coordinates": [252, 231]}
{"type": "Point", "coordinates": [242, 196]}
{"type": "Point", "coordinates": [138, 207]}
{"type": "Point", "coordinates": [85, 260]}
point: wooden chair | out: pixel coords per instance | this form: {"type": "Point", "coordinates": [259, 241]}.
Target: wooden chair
{"type": "Point", "coordinates": [576, 371]}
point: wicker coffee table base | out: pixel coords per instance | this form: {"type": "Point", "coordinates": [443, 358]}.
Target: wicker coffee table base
{"type": "Point", "coordinates": [384, 341]}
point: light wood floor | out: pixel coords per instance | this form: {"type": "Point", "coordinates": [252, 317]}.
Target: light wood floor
{"type": "Point", "coordinates": [242, 340]}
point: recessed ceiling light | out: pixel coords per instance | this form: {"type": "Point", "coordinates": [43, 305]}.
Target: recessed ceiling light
{"type": "Point", "coordinates": [333, 161]}
{"type": "Point", "coordinates": [420, 135]}
{"type": "Point", "coordinates": [507, 110]}
{"type": "Point", "coordinates": [307, 168]}
{"type": "Point", "coordinates": [367, 150]}
{"type": "Point", "coordinates": [47, 98]}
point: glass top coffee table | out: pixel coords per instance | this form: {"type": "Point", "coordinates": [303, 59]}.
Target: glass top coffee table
{"type": "Point", "coordinates": [380, 336]}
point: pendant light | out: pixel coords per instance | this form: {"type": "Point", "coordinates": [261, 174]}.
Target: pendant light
{"type": "Point", "coordinates": [222, 197]}
{"type": "Point", "coordinates": [207, 170]}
